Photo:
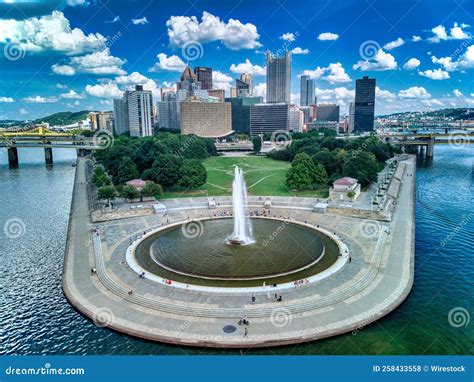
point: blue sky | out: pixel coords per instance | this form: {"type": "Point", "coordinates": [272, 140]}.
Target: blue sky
{"type": "Point", "coordinates": [78, 54]}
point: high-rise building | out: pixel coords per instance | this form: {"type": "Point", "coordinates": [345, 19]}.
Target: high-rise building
{"type": "Point", "coordinates": [269, 117]}
{"type": "Point", "coordinates": [296, 119]}
{"type": "Point", "coordinates": [364, 105]}
{"type": "Point", "coordinates": [140, 109]}
{"type": "Point", "coordinates": [233, 92]}
{"type": "Point", "coordinates": [351, 117]}
{"type": "Point", "coordinates": [205, 119]}
{"type": "Point", "coordinates": [242, 88]}
{"type": "Point", "coordinates": [248, 79]}
{"type": "Point", "coordinates": [327, 112]}
{"type": "Point", "coordinates": [188, 81]}
{"type": "Point", "coordinates": [241, 112]}
{"type": "Point", "coordinates": [102, 120]}
{"type": "Point", "coordinates": [217, 93]}
{"type": "Point", "coordinates": [279, 78]}
{"type": "Point", "coordinates": [204, 76]}
{"type": "Point", "coordinates": [121, 116]}
{"type": "Point", "coordinates": [168, 117]}
{"type": "Point", "coordinates": [163, 91]}
{"type": "Point", "coordinates": [306, 91]}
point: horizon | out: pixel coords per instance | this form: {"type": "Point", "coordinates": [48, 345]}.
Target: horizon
{"type": "Point", "coordinates": [78, 55]}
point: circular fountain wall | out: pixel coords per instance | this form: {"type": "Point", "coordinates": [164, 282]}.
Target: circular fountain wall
{"type": "Point", "coordinates": [196, 253]}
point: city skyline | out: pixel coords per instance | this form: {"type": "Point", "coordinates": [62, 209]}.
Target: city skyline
{"type": "Point", "coordinates": [78, 56]}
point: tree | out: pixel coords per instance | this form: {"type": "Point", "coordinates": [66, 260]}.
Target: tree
{"type": "Point", "coordinates": [193, 174]}
{"type": "Point", "coordinates": [129, 192]}
{"type": "Point", "coordinates": [194, 148]}
{"type": "Point", "coordinates": [166, 170]}
{"type": "Point", "coordinates": [107, 192]}
{"type": "Point", "coordinates": [127, 170]}
{"type": "Point", "coordinates": [100, 177]}
{"type": "Point", "coordinates": [257, 144]}
{"type": "Point", "coordinates": [327, 159]}
{"type": "Point", "coordinates": [361, 165]}
{"type": "Point", "coordinates": [298, 177]}
{"type": "Point", "coordinates": [320, 175]}
{"type": "Point", "coordinates": [150, 190]}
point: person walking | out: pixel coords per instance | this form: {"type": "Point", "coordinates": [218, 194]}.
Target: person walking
{"type": "Point", "coordinates": [253, 299]}
{"type": "Point", "coordinates": [246, 332]}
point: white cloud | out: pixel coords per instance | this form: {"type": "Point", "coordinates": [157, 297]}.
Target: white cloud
{"type": "Point", "coordinates": [290, 37]}
{"type": "Point", "coordinates": [414, 92]}
{"type": "Point", "coordinates": [248, 67]}
{"type": "Point", "coordinates": [73, 3]}
{"type": "Point", "coordinates": [221, 80]}
{"type": "Point", "coordinates": [437, 74]}
{"type": "Point", "coordinates": [315, 74]}
{"type": "Point", "coordinates": [137, 78]}
{"type": "Point", "coordinates": [169, 64]}
{"type": "Point", "coordinates": [299, 50]}
{"type": "Point", "coordinates": [382, 61]}
{"type": "Point", "coordinates": [411, 64]}
{"type": "Point", "coordinates": [384, 94]}
{"type": "Point", "coordinates": [107, 90]}
{"type": "Point", "coordinates": [337, 95]}
{"type": "Point", "coordinates": [6, 100]}
{"type": "Point", "coordinates": [61, 86]}
{"type": "Point", "coordinates": [260, 90]}
{"type": "Point", "coordinates": [333, 73]}
{"type": "Point", "coordinates": [71, 94]}
{"type": "Point", "coordinates": [23, 111]}
{"type": "Point", "coordinates": [446, 62]}
{"type": "Point", "coordinates": [63, 70]}
{"type": "Point", "coordinates": [457, 93]}
{"type": "Point", "coordinates": [50, 33]}
{"type": "Point", "coordinates": [455, 33]}
{"type": "Point", "coordinates": [39, 99]}
{"type": "Point", "coordinates": [232, 34]}
{"type": "Point", "coordinates": [431, 102]}
{"type": "Point", "coordinates": [116, 19]}
{"type": "Point", "coordinates": [394, 44]}
{"type": "Point", "coordinates": [140, 21]}
{"type": "Point", "coordinates": [415, 38]}
{"type": "Point", "coordinates": [328, 36]}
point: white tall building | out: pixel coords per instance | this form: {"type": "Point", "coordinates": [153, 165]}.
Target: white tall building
{"type": "Point", "coordinates": [296, 119]}
{"type": "Point", "coordinates": [140, 110]}
{"type": "Point", "coordinates": [279, 78]}
{"type": "Point", "coordinates": [168, 112]}
{"type": "Point", "coordinates": [248, 79]}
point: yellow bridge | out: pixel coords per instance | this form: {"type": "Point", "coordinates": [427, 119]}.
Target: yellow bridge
{"type": "Point", "coordinates": [42, 137]}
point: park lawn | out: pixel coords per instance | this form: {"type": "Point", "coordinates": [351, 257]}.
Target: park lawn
{"type": "Point", "coordinates": [263, 176]}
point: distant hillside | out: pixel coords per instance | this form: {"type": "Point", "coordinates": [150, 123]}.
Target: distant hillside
{"type": "Point", "coordinates": [453, 114]}
{"type": "Point", "coordinates": [64, 118]}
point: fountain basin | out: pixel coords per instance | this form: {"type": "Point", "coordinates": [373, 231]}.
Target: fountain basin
{"type": "Point", "coordinates": [281, 252]}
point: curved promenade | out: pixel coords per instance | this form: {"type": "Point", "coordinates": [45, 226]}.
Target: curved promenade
{"type": "Point", "coordinates": [375, 280]}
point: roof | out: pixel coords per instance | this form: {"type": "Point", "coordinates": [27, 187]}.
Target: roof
{"type": "Point", "coordinates": [346, 181]}
{"type": "Point", "coordinates": [137, 183]}
{"type": "Point", "coordinates": [187, 73]}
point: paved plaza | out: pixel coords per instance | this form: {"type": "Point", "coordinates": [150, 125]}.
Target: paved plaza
{"type": "Point", "coordinates": [375, 281]}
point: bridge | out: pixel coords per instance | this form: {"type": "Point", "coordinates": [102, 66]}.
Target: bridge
{"type": "Point", "coordinates": [424, 141]}
{"type": "Point", "coordinates": [42, 137]}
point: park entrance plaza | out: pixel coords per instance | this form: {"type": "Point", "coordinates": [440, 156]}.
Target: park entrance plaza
{"type": "Point", "coordinates": [370, 275]}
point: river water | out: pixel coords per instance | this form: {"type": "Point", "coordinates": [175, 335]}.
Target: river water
{"type": "Point", "coordinates": [35, 318]}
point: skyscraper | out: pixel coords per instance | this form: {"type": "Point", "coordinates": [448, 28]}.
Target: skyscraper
{"type": "Point", "coordinates": [269, 117]}
{"type": "Point", "coordinates": [242, 88]}
{"type": "Point", "coordinates": [327, 112]}
{"type": "Point", "coordinates": [121, 116]}
{"type": "Point", "coordinates": [306, 91]}
{"type": "Point", "coordinates": [279, 78]}
{"type": "Point", "coordinates": [204, 76]}
{"type": "Point", "coordinates": [364, 104]}
{"type": "Point", "coordinates": [140, 109]}
{"type": "Point", "coordinates": [168, 117]}
{"type": "Point", "coordinates": [188, 81]}
{"type": "Point", "coordinates": [248, 79]}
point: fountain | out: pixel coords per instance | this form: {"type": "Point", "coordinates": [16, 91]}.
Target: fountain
{"type": "Point", "coordinates": [242, 234]}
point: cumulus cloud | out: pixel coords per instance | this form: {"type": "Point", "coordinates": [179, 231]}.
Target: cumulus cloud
{"type": "Point", "coordinates": [328, 36]}
{"type": "Point", "coordinates": [106, 90]}
{"type": "Point", "coordinates": [415, 92]}
{"type": "Point", "coordinates": [98, 63]}
{"type": "Point", "coordinates": [248, 67]}
{"type": "Point", "coordinates": [432, 102]}
{"type": "Point", "coordinates": [128, 82]}
{"type": "Point", "coordinates": [290, 37]}
{"type": "Point", "coordinates": [440, 33]}
{"type": "Point", "coordinates": [71, 94]}
{"type": "Point", "coordinates": [49, 33]}
{"type": "Point", "coordinates": [168, 64]}
{"type": "Point", "coordinates": [384, 94]}
{"type": "Point", "coordinates": [465, 61]}
{"type": "Point", "coordinates": [233, 34]}
{"type": "Point", "coordinates": [140, 21]}
{"type": "Point", "coordinates": [260, 90]}
{"type": "Point", "coordinates": [73, 3]}
{"type": "Point", "coordinates": [299, 50]}
{"type": "Point", "coordinates": [221, 80]}
{"type": "Point", "coordinates": [457, 93]}
{"type": "Point", "coordinates": [382, 61]}
{"type": "Point", "coordinates": [411, 64]}
{"type": "Point", "coordinates": [415, 38]}
{"type": "Point", "coordinates": [394, 44]}
{"type": "Point", "coordinates": [333, 73]}
{"type": "Point", "coordinates": [39, 99]}
{"type": "Point", "coordinates": [116, 19]}
{"type": "Point", "coordinates": [437, 74]}
{"type": "Point", "coordinates": [6, 100]}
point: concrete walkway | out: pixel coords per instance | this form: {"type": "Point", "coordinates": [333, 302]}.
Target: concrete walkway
{"type": "Point", "coordinates": [376, 281]}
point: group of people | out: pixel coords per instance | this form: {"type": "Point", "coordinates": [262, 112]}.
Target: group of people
{"type": "Point", "coordinates": [301, 282]}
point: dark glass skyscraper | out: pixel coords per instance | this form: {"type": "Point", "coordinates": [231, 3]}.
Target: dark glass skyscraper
{"type": "Point", "coordinates": [279, 77]}
{"type": "Point", "coordinates": [204, 76]}
{"type": "Point", "coordinates": [364, 104]}
{"type": "Point", "coordinates": [306, 91]}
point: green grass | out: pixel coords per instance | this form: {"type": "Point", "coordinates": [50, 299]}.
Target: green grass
{"type": "Point", "coordinates": [263, 176]}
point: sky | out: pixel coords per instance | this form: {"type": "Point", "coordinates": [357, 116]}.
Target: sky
{"type": "Point", "coordinates": [78, 54]}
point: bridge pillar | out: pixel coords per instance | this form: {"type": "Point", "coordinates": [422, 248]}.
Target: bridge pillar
{"type": "Point", "coordinates": [48, 155]}
{"type": "Point", "coordinates": [13, 156]}
{"type": "Point", "coordinates": [430, 149]}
